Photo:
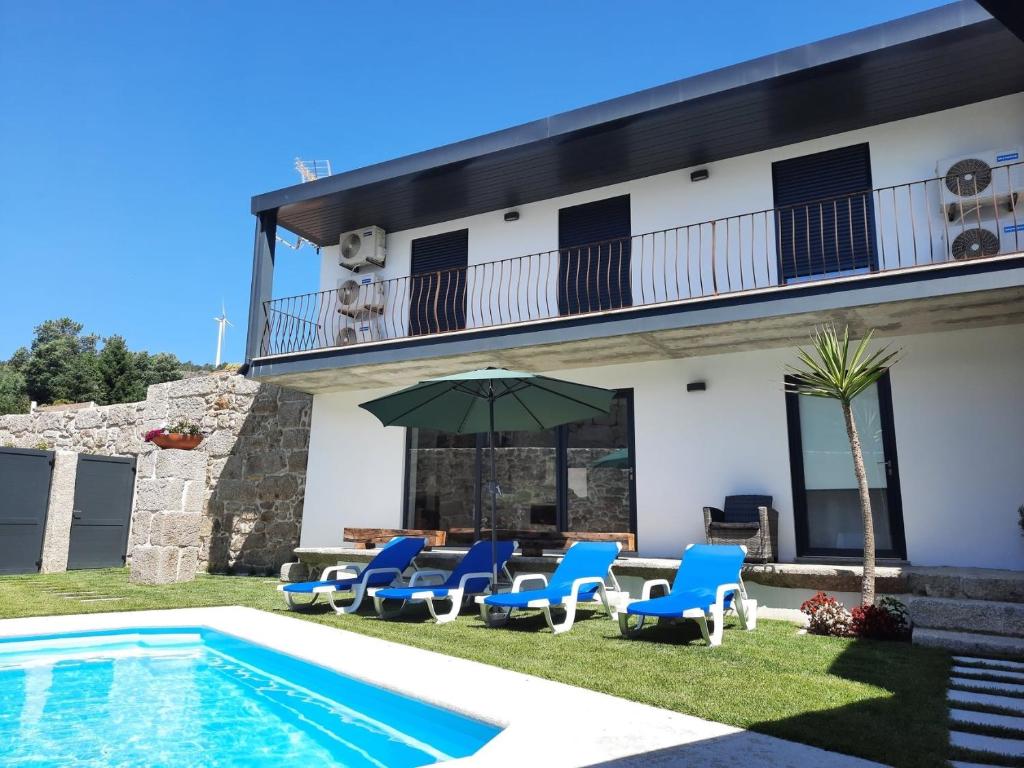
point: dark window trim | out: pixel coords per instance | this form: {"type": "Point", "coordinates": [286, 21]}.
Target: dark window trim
{"type": "Point", "coordinates": [561, 470]}
{"type": "Point", "coordinates": [796, 472]}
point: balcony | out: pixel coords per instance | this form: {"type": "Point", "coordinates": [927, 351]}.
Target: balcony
{"type": "Point", "coordinates": [934, 224]}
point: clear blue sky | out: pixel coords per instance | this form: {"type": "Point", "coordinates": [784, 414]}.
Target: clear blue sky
{"type": "Point", "coordinates": [133, 134]}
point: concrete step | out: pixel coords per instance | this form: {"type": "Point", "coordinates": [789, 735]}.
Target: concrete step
{"type": "Point", "coordinates": [970, 717]}
{"type": "Point", "coordinates": [1017, 666]}
{"type": "Point", "coordinates": [998, 674]}
{"type": "Point", "coordinates": [984, 616]}
{"type": "Point", "coordinates": [968, 642]}
{"type": "Point", "coordinates": [987, 685]}
{"type": "Point", "coordinates": [993, 744]}
{"type": "Point", "coordinates": [966, 583]}
{"type": "Point", "coordinates": [975, 699]}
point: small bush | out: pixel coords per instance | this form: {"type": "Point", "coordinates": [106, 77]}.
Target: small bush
{"type": "Point", "coordinates": [827, 616]}
{"type": "Point", "coordinates": [885, 621]}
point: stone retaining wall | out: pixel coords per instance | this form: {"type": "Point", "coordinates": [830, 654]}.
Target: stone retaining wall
{"type": "Point", "coordinates": [255, 451]}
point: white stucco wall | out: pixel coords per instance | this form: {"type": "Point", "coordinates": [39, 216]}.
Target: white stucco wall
{"type": "Point", "coordinates": [958, 406]}
{"type": "Point", "coordinates": [901, 152]}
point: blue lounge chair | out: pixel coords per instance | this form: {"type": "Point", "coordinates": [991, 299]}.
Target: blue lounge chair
{"type": "Point", "coordinates": [471, 576]}
{"type": "Point", "coordinates": [385, 569]}
{"type": "Point", "coordinates": [580, 577]}
{"type": "Point", "coordinates": [707, 584]}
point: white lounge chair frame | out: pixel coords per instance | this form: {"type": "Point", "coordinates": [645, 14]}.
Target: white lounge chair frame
{"type": "Point", "coordinates": [495, 616]}
{"type": "Point", "coordinates": [358, 590]}
{"type": "Point", "coordinates": [716, 611]}
{"type": "Point", "coordinates": [457, 595]}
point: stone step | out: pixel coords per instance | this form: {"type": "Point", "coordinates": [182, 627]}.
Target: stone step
{"type": "Point", "coordinates": [999, 674]}
{"type": "Point", "coordinates": [975, 699]}
{"type": "Point", "coordinates": [970, 717]}
{"type": "Point", "coordinates": [994, 663]}
{"type": "Point", "coordinates": [967, 583]}
{"type": "Point", "coordinates": [984, 616]}
{"type": "Point", "coordinates": [968, 642]}
{"type": "Point", "coordinates": [993, 744]}
{"type": "Point", "coordinates": [987, 685]}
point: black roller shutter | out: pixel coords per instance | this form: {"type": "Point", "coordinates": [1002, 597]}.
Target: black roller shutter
{"type": "Point", "coordinates": [825, 218]}
{"type": "Point", "coordinates": [594, 256]}
{"type": "Point", "coordinates": [438, 283]}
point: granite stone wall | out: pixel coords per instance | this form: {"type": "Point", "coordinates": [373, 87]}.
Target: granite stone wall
{"type": "Point", "coordinates": [255, 451]}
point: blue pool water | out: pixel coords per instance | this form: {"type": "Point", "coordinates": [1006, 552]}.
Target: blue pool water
{"type": "Point", "coordinates": [190, 697]}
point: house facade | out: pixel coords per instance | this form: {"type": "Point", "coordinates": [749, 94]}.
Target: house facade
{"type": "Point", "coordinates": [677, 245]}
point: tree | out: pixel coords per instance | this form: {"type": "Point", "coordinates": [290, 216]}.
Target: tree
{"type": "Point", "coordinates": [12, 391]}
{"type": "Point", "coordinates": [61, 366]}
{"type": "Point", "coordinates": [831, 372]}
{"type": "Point", "coordinates": [162, 367]}
{"type": "Point", "coordinates": [121, 375]}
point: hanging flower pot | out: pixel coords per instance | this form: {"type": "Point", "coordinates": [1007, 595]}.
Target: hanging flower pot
{"type": "Point", "coordinates": [183, 435]}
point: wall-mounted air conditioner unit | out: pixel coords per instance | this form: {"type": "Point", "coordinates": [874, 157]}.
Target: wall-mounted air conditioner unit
{"type": "Point", "coordinates": [981, 202]}
{"type": "Point", "coordinates": [360, 305]}
{"type": "Point", "coordinates": [976, 183]}
{"type": "Point", "coordinates": [363, 247]}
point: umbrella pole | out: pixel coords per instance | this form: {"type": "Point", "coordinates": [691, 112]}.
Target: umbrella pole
{"type": "Point", "coordinates": [494, 497]}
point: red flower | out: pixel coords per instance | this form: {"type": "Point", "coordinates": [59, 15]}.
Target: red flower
{"type": "Point", "coordinates": [148, 437]}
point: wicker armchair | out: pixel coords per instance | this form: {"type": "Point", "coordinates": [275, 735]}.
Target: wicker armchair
{"type": "Point", "coordinates": [747, 520]}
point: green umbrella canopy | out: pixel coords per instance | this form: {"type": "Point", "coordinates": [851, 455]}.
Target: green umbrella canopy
{"type": "Point", "coordinates": [461, 403]}
{"type": "Point", "coordinates": [615, 460]}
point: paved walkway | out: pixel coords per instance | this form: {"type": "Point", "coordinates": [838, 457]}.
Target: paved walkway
{"type": "Point", "coordinates": [986, 698]}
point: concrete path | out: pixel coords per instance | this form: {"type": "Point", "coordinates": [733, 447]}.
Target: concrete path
{"type": "Point", "coordinates": [987, 715]}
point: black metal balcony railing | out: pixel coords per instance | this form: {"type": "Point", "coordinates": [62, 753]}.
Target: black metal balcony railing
{"type": "Point", "coordinates": [902, 227]}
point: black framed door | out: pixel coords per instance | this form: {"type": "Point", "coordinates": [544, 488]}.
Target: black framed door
{"type": "Point", "coordinates": [25, 482]}
{"type": "Point", "coordinates": [102, 511]}
{"type": "Point", "coordinates": [594, 256]}
{"type": "Point", "coordinates": [826, 502]}
{"type": "Point", "coordinates": [579, 477]}
{"type": "Point", "coordinates": [437, 291]}
{"type": "Point", "coordinates": [825, 214]}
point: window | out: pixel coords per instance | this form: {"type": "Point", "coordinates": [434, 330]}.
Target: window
{"type": "Point", "coordinates": [825, 219]}
{"type": "Point", "coordinates": [437, 292]}
{"type": "Point", "coordinates": [577, 477]}
{"type": "Point", "coordinates": [594, 256]}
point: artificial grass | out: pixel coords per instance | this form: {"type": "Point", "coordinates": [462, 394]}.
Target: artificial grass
{"type": "Point", "coordinates": [877, 700]}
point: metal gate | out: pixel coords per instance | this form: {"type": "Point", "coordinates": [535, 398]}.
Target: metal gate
{"type": "Point", "coordinates": [24, 499]}
{"type": "Point", "coordinates": [102, 511]}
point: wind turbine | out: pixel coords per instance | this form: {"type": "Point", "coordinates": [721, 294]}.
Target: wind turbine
{"type": "Point", "coordinates": [222, 322]}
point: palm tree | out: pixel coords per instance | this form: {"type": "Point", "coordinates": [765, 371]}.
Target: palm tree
{"type": "Point", "coordinates": [829, 370]}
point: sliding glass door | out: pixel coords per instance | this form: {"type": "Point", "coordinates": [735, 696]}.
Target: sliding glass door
{"type": "Point", "coordinates": [579, 477]}
{"type": "Point", "coordinates": [826, 499]}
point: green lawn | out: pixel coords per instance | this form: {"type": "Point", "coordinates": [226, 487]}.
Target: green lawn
{"type": "Point", "coordinates": [883, 701]}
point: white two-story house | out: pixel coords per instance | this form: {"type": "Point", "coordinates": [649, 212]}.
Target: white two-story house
{"type": "Point", "coordinates": [677, 245]}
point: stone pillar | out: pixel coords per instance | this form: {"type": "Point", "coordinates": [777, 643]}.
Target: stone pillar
{"type": "Point", "coordinates": [57, 537]}
{"type": "Point", "coordinates": [167, 516]}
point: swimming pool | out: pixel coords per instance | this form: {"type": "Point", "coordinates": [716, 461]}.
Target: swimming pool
{"type": "Point", "coordinates": [192, 696]}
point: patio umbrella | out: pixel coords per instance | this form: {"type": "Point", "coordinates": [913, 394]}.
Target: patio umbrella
{"type": "Point", "coordinates": [618, 459]}
{"type": "Point", "coordinates": [491, 400]}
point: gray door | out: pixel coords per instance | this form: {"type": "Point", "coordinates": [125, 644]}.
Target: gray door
{"type": "Point", "coordinates": [103, 509]}
{"type": "Point", "coordinates": [24, 499]}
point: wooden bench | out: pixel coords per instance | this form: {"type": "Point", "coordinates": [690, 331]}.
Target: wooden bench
{"type": "Point", "coordinates": [369, 538]}
{"type": "Point", "coordinates": [535, 542]}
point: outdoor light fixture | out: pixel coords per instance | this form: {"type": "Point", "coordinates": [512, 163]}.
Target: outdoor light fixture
{"type": "Point", "coordinates": [512, 216]}
{"type": "Point", "coordinates": [696, 386]}
{"type": "Point", "coordinates": [699, 175]}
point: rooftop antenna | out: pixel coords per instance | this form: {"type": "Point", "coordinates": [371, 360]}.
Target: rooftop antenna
{"type": "Point", "coordinates": [222, 323]}
{"type": "Point", "coordinates": [309, 170]}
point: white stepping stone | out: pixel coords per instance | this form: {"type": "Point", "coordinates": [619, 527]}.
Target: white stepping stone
{"type": "Point", "coordinates": [986, 685]}
{"type": "Point", "coordinates": [986, 700]}
{"type": "Point", "coordinates": [979, 743]}
{"type": "Point", "coordinates": [986, 718]}
{"type": "Point", "coordinates": [999, 663]}
{"type": "Point", "coordinates": [961, 764]}
{"type": "Point", "coordinates": [1002, 674]}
